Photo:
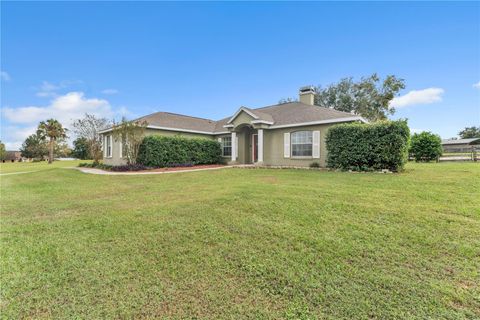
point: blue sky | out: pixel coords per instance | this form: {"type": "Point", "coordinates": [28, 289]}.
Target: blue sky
{"type": "Point", "coordinates": [61, 59]}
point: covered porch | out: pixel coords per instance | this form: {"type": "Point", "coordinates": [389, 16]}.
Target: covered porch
{"type": "Point", "coordinates": [247, 144]}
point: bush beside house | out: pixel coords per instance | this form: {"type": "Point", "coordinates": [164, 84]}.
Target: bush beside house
{"type": "Point", "coordinates": [163, 151]}
{"type": "Point", "coordinates": [367, 147]}
{"type": "Point", "coordinates": [426, 146]}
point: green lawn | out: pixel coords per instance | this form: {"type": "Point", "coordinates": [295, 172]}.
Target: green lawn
{"type": "Point", "coordinates": [15, 167]}
{"type": "Point", "coordinates": [242, 243]}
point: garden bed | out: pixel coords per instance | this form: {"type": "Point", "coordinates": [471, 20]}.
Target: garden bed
{"type": "Point", "coordinates": [144, 169]}
{"type": "Point", "coordinates": [201, 166]}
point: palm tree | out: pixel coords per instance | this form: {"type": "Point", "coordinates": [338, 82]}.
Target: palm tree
{"type": "Point", "coordinates": [53, 130]}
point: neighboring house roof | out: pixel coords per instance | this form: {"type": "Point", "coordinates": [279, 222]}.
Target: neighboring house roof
{"type": "Point", "coordinates": [13, 155]}
{"type": "Point", "coordinates": [276, 116]}
{"type": "Point", "coordinates": [460, 141]}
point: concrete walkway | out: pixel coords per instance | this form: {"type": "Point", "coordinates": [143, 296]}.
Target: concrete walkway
{"type": "Point", "coordinates": [113, 173]}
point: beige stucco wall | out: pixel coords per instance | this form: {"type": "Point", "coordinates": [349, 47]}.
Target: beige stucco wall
{"type": "Point", "coordinates": [273, 144]}
{"type": "Point", "coordinates": [242, 118]}
{"type": "Point", "coordinates": [116, 159]}
{"type": "Point", "coordinates": [273, 147]}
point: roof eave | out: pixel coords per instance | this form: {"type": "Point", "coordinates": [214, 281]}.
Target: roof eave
{"type": "Point", "coordinates": [310, 123]}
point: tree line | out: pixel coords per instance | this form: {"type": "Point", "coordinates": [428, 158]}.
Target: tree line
{"type": "Point", "coordinates": [370, 97]}
{"type": "Point", "coordinates": [49, 141]}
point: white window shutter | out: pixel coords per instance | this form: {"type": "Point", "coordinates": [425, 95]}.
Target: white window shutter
{"type": "Point", "coordinates": [104, 146]}
{"type": "Point", "coordinates": [286, 145]}
{"type": "Point", "coordinates": [316, 144]}
{"type": "Point", "coordinates": [236, 147]}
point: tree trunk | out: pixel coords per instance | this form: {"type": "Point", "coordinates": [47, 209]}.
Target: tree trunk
{"type": "Point", "coordinates": [96, 152]}
{"type": "Point", "coordinates": [50, 151]}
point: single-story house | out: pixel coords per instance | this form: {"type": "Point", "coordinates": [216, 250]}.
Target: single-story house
{"type": "Point", "coordinates": [14, 156]}
{"type": "Point", "coordinates": [288, 134]}
{"type": "Point", "coordinates": [460, 145]}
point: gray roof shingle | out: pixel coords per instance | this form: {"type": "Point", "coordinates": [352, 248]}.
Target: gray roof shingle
{"type": "Point", "coordinates": [280, 114]}
{"type": "Point", "coordinates": [297, 112]}
{"type": "Point", "coordinates": [179, 121]}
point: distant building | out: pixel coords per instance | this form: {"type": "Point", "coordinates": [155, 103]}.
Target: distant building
{"type": "Point", "coordinates": [460, 145]}
{"type": "Point", "coordinates": [14, 156]}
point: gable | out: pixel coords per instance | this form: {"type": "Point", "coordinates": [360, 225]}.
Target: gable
{"type": "Point", "coordinates": [241, 118]}
{"type": "Point", "coordinates": [240, 111]}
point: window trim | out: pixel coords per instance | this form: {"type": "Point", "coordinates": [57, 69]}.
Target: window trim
{"type": "Point", "coordinates": [291, 145]}
{"type": "Point", "coordinates": [108, 147]}
{"type": "Point", "coordinates": [223, 146]}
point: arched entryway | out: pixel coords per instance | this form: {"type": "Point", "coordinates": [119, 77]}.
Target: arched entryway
{"type": "Point", "coordinates": [246, 135]}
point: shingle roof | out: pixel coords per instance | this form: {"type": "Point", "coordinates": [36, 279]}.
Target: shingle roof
{"type": "Point", "coordinates": [460, 141]}
{"type": "Point", "coordinates": [261, 115]}
{"type": "Point", "coordinates": [179, 121]}
{"type": "Point", "coordinates": [297, 112]}
{"type": "Point", "coordinates": [280, 115]}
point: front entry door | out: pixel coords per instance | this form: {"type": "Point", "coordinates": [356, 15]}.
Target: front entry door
{"type": "Point", "coordinates": [254, 148]}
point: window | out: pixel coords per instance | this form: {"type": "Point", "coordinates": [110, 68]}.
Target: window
{"type": "Point", "coordinates": [302, 142]}
{"type": "Point", "coordinates": [226, 146]}
{"type": "Point", "coordinates": [109, 146]}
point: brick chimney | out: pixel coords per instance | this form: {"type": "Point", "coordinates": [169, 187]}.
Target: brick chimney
{"type": "Point", "coordinates": [307, 95]}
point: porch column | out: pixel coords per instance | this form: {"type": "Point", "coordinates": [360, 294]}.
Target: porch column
{"type": "Point", "coordinates": [260, 145]}
{"type": "Point", "coordinates": [234, 146]}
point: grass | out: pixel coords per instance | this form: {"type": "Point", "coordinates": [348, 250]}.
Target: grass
{"type": "Point", "coordinates": [15, 167]}
{"type": "Point", "coordinates": [240, 243]}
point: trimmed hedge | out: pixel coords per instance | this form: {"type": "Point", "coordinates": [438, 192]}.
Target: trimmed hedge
{"type": "Point", "coordinates": [162, 151]}
{"type": "Point", "coordinates": [368, 147]}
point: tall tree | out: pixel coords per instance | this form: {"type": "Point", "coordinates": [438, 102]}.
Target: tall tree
{"type": "Point", "coordinates": [81, 149]}
{"type": "Point", "coordinates": [89, 128]}
{"type": "Point", "coordinates": [3, 152]}
{"type": "Point", "coordinates": [130, 134]}
{"type": "Point", "coordinates": [34, 147]}
{"type": "Point", "coordinates": [370, 97]}
{"type": "Point", "coordinates": [470, 132]}
{"type": "Point", "coordinates": [53, 131]}
{"type": "Point", "coordinates": [62, 150]}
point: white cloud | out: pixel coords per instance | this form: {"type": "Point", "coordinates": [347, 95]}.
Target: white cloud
{"type": "Point", "coordinates": [13, 146]}
{"type": "Point", "coordinates": [49, 90]}
{"type": "Point", "coordinates": [5, 76]}
{"type": "Point", "coordinates": [64, 108]}
{"type": "Point", "coordinates": [415, 97]}
{"type": "Point", "coordinates": [15, 136]}
{"type": "Point", "coordinates": [477, 85]}
{"type": "Point", "coordinates": [23, 121]}
{"type": "Point", "coordinates": [110, 91]}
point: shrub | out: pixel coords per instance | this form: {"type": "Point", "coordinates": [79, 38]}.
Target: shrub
{"type": "Point", "coordinates": [367, 147]}
{"type": "Point", "coordinates": [426, 146]}
{"type": "Point", "coordinates": [315, 165]}
{"type": "Point", "coordinates": [162, 151]}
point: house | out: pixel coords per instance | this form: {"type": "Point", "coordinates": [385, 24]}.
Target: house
{"type": "Point", "coordinates": [289, 134]}
{"type": "Point", "coordinates": [13, 156]}
{"type": "Point", "coordinates": [460, 145]}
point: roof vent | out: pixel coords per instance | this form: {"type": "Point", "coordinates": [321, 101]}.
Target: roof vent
{"type": "Point", "coordinates": [307, 95]}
